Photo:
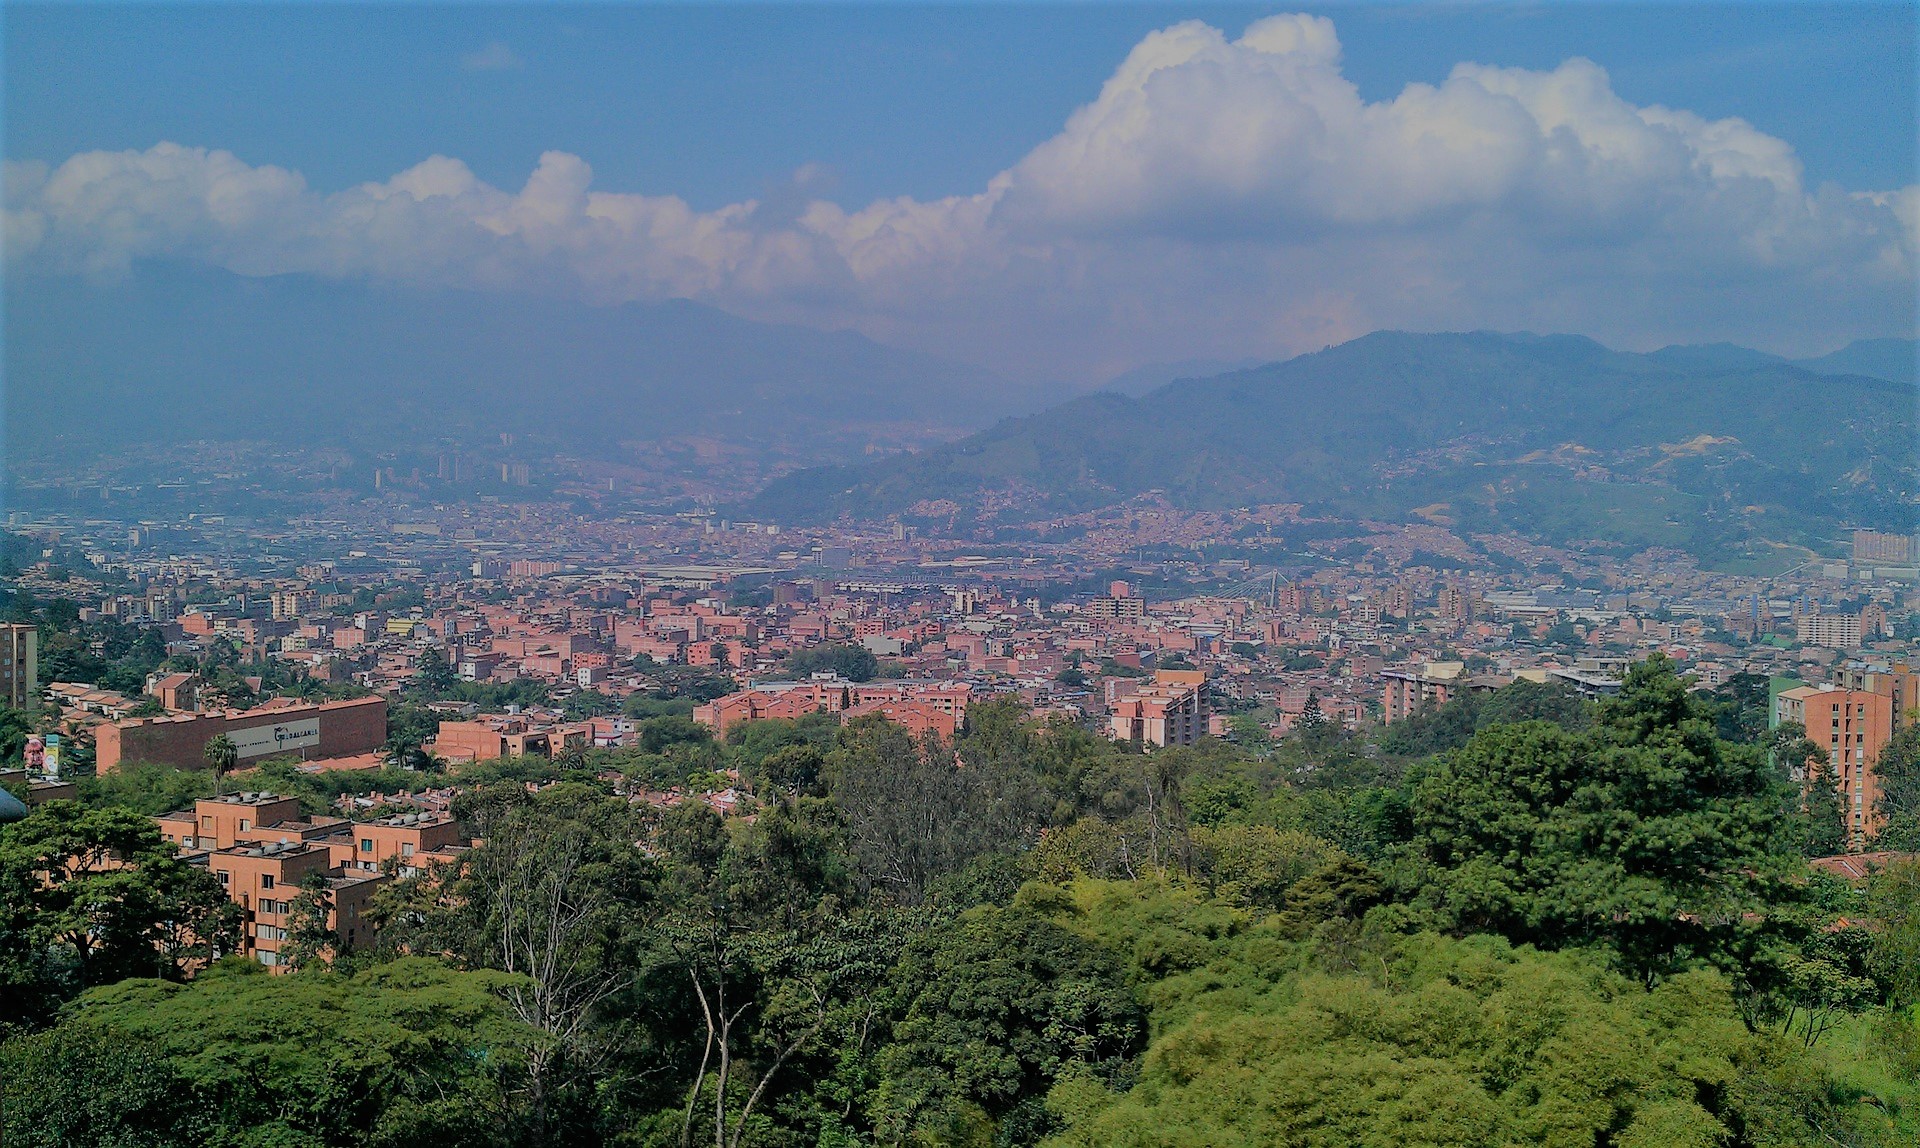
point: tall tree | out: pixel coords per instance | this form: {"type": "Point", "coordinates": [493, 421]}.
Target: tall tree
{"type": "Point", "coordinates": [558, 894]}
{"type": "Point", "coordinates": [1649, 835]}
{"type": "Point", "coordinates": [221, 756]}
{"type": "Point", "coordinates": [1898, 770]}
{"type": "Point", "coordinates": [92, 896]}
{"type": "Point", "coordinates": [777, 966]}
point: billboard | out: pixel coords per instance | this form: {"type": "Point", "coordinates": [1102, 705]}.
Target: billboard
{"type": "Point", "coordinates": [286, 737]}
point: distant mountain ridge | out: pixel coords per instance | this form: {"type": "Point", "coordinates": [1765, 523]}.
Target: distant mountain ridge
{"type": "Point", "coordinates": [182, 354]}
{"type": "Point", "coordinates": [1552, 435]}
{"type": "Point", "coordinates": [1896, 360]}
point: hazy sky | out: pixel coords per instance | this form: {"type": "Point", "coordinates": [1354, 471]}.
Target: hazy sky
{"type": "Point", "coordinates": [1051, 190]}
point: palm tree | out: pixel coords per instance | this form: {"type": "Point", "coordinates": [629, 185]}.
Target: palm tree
{"type": "Point", "coordinates": [403, 751]}
{"type": "Point", "coordinates": [222, 755]}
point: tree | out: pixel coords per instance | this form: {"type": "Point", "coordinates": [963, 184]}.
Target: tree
{"type": "Point", "coordinates": [1741, 709]}
{"type": "Point", "coordinates": [1648, 835]}
{"type": "Point", "coordinates": [1898, 770]}
{"type": "Point", "coordinates": [80, 1084]}
{"type": "Point", "coordinates": [310, 941]}
{"type": "Point", "coordinates": [777, 967]}
{"type": "Point", "coordinates": [557, 895]}
{"type": "Point", "coordinates": [587, 704]}
{"type": "Point", "coordinates": [433, 678]}
{"type": "Point", "coordinates": [1404, 1049]}
{"type": "Point", "coordinates": [1815, 820]}
{"type": "Point", "coordinates": [222, 755]}
{"type": "Point", "coordinates": [92, 896]}
{"type": "Point", "coordinates": [147, 787]}
{"type": "Point", "coordinates": [854, 663]}
{"type": "Point", "coordinates": [793, 769]}
{"type": "Point", "coordinates": [914, 814]}
{"type": "Point", "coordinates": [1893, 900]}
{"type": "Point", "coordinates": [989, 1012]}
{"type": "Point", "coordinates": [410, 1051]}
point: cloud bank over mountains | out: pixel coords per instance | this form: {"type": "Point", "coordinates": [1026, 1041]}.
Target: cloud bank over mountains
{"type": "Point", "coordinates": [1219, 197]}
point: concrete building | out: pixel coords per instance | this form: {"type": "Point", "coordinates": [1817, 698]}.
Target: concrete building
{"type": "Point", "coordinates": [1406, 692]}
{"type": "Point", "coordinates": [1833, 631]}
{"type": "Point", "coordinates": [1170, 711]}
{"type": "Point", "coordinates": [19, 664]}
{"type": "Point", "coordinates": [1871, 547]}
{"type": "Point", "coordinates": [1853, 726]}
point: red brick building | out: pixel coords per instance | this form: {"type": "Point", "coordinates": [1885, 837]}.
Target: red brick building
{"type": "Point", "coordinates": [261, 849]}
{"type": "Point", "coordinates": [281, 728]}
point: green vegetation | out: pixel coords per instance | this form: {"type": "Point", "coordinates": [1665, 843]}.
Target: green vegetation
{"type": "Point", "coordinates": [1687, 455]}
{"type": "Point", "coordinates": [1524, 919]}
{"type": "Point", "coordinates": [854, 663]}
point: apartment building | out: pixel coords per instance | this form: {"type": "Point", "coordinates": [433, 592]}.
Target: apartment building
{"type": "Point", "coordinates": [1898, 681]}
{"type": "Point", "coordinates": [1853, 726]}
{"type": "Point", "coordinates": [507, 735]}
{"type": "Point", "coordinates": [1170, 710]}
{"type": "Point", "coordinates": [19, 664]}
{"type": "Point", "coordinates": [1406, 692]}
{"type": "Point", "coordinates": [1876, 548]}
{"type": "Point", "coordinates": [265, 879]}
{"type": "Point", "coordinates": [261, 848]}
{"type": "Point", "coordinates": [1833, 631]}
{"type": "Point", "coordinates": [921, 706]}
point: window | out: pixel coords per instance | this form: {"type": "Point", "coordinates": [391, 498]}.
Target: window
{"type": "Point", "coordinates": [406, 849]}
{"type": "Point", "coordinates": [266, 880]}
{"type": "Point", "coordinates": [268, 958]}
{"type": "Point", "coordinates": [245, 825]}
{"type": "Point", "coordinates": [224, 875]}
{"type": "Point", "coordinates": [269, 933]}
{"type": "Point", "coordinates": [206, 823]}
{"type": "Point", "coordinates": [366, 845]}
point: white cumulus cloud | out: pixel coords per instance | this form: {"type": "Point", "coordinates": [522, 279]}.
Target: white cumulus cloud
{"type": "Point", "coordinates": [1218, 197]}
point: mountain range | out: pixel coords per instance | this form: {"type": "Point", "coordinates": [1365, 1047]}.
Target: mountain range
{"type": "Point", "coordinates": [1553, 435]}
{"type": "Point", "coordinates": [1556, 436]}
{"type": "Point", "coordinates": [179, 354]}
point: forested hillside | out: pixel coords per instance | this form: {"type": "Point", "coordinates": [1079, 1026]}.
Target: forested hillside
{"type": "Point", "coordinates": [1517, 920]}
{"type": "Point", "coordinates": [1552, 436]}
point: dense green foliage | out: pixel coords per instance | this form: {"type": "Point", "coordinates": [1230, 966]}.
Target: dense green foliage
{"type": "Point", "coordinates": [854, 663]}
{"type": "Point", "coordinates": [1530, 921]}
{"type": "Point", "coordinates": [405, 1053]}
{"type": "Point", "coordinates": [93, 896]}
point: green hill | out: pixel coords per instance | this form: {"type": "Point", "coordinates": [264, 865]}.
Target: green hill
{"type": "Point", "coordinates": [1557, 436]}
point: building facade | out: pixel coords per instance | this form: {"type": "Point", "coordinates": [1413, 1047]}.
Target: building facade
{"type": "Point", "coordinates": [1853, 726]}
{"type": "Point", "coordinates": [326, 729]}
{"type": "Point", "coordinates": [19, 664]}
{"type": "Point", "coordinates": [1170, 711]}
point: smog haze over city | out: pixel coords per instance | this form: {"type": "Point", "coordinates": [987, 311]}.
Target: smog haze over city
{"type": "Point", "coordinates": [1070, 574]}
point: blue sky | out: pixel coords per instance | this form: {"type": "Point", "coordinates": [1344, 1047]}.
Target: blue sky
{"type": "Point", "coordinates": [716, 102]}
{"type": "Point", "coordinates": [1162, 241]}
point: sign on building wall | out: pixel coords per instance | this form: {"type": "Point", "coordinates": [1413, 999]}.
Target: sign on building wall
{"type": "Point", "coordinates": [268, 739]}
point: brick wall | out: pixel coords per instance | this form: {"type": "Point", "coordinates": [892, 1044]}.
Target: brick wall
{"type": "Point", "coordinates": [346, 728]}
